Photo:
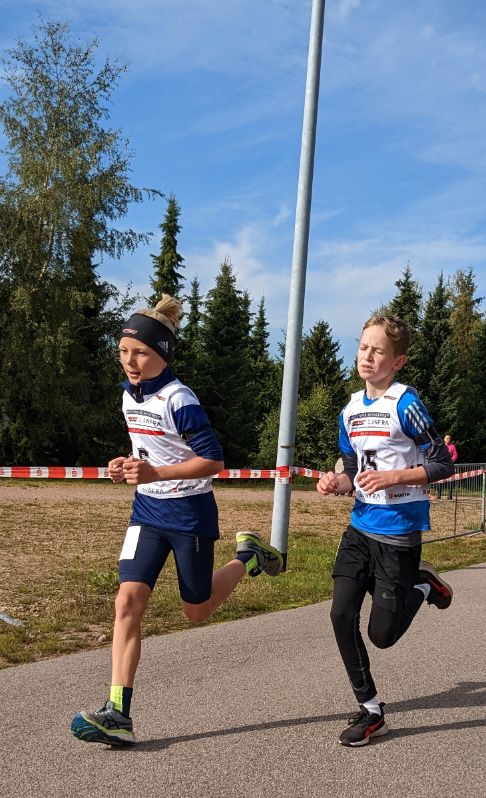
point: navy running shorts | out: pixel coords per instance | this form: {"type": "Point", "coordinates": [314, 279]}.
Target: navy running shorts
{"type": "Point", "coordinates": [146, 548]}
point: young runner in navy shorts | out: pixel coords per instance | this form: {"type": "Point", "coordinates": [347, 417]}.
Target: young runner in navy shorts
{"type": "Point", "coordinates": [175, 454]}
{"type": "Point", "coordinates": [391, 453]}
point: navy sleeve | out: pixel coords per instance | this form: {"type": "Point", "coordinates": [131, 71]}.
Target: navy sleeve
{"type": "Point", "coordinates": [350, 458]}
{"type": "Point", "coordinates": [194, 427]}
{"type": "Point", "coordinates": [438, 462]}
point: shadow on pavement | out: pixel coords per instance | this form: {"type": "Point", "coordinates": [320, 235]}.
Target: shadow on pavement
{"type": "Point", "coordinates": [464, 694]}
{"type": "Point", "coordinates": [460, 724]}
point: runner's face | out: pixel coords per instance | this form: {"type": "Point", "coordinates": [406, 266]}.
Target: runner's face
{"type": "Point", "coordinates": [139, 361]}
{"type": "Point", "coordinates": [376, 358]}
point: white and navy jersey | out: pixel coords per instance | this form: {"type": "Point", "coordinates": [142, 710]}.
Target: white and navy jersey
{"type": "Point", "coordinates": [382, 433]}
{"type": "Point", "coordinates": [167, 425]}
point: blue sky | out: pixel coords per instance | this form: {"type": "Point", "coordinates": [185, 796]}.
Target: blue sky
{"type": "Point", "coordinates": [212, 106]}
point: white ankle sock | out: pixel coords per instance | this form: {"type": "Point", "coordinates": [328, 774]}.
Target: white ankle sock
{"type": "Point", "coordinates": [425, 588]}
{"type": "Point", "coordinates": [372, 706]}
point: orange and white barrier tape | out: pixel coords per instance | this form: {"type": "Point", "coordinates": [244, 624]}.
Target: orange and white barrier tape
{"type": "Point", "coordinates": [92, 472]}
{"type": "Point", "coordinates": [281, 473]}
{"type": "Point", "coordinates": [252, 473]}
{"type": "Point", "coordinates": [53, 472]}
{"type": "Point", "coordinates": [463, 475]}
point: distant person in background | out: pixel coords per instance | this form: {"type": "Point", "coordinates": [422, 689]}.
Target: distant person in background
{"type": "Point", "coordinates": [454, 457]}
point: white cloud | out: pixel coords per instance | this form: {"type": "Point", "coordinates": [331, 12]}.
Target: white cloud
{"type": "Point", "coordinates": [282, 216]}
{"type": "Point", "coordinates": [180, 37]}
{"type": "Point", "coordinates": [345, 7]}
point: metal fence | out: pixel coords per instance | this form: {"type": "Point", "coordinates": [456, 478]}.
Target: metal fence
{"type": "Point", "coordinates": [458, 505]}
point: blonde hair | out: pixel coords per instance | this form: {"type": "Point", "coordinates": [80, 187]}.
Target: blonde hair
{"type": "Point", "coordinates": [168, 311]}
{"type": "Point", "coordinates": [396, 330]}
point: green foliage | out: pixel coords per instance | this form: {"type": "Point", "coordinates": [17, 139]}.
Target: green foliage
{"type": "Point", "coordinates": [447, 357]}
{"type": "Point", "coordinates": [408, 299]}
{"type": "Point", "coordinates": [65, 187]}
{"type": "Point", "coordinates": [407, 304]}
{"type": "Point", "coordinates": [66, 172]}
{"type": "Point", "coordinates": [266, 378]}
{"type": "Point", "coordinates": [354, 382]}
{"type": "Point", "coordinates": [460, 372]}
{"type": "Point", "coordinates": [432, 345]}
{"type": "Point", "coordinates": [167, 277]}
{"type": "Point", "coordinates": [188, 353]}
{"type": "Point", "coordinates": [226, 379]}
{"type": "Point", "coordinates": [103, 582]}
{"type": "Point", "coordinates": [320, 365]}
{"type": "Point", "coordinates": [316, 433]}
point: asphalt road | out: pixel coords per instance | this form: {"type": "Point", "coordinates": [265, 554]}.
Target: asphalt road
{"type": "Point", "coordinates": [254, 708]}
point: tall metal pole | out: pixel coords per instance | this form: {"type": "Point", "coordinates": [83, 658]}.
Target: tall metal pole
{"type": "Point", "coordinates": [293, 345]}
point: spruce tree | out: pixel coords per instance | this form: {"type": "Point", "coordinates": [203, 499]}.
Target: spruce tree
{"type": "Point", "coordinates": [459, 371]}
{"type": "Point", "coordinates": [407, 304]}
{"type": "Point", "coordinates": [320, 365]}
{"type": "Point", "coordinates": [266, 379]}
{"type": "Point", "coordinates": [478, 433]}
{"type": "Point", "coordinates": [354, 382]}
{"type": "Point", "coordinates": [188, 352]}
{"type": "Point", "coordinates": [432, 336]}
{"type": "Point", "coordinates": [225, 388]}
{"type": "Point", "coordinates": [408, 299]}
{"type": "Point", "coordinates": [167, 278]}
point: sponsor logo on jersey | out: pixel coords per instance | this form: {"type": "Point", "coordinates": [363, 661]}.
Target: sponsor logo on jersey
{"type": "Point", "coordinates": [387, 396]}
{"type": "Point", "coordinates": [369, 414]}
{"type": "Point", "coordinates": [371, 422]}
{"type": "Point", "coordinates": [136, 413]}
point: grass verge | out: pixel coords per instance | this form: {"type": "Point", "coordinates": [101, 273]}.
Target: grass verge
{"type": "Point", "coordinates": [60, 544]}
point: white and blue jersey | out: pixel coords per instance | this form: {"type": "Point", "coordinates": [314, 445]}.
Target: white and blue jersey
{"type": "Point", "coordinates": [167, 425]}
{"type": "Point", "coordinates": [384, 434]}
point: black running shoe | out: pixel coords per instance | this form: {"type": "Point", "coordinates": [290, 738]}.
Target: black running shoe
{"type": "Point", "coordinates": [362, 726]}
{"type": "Point", "coordinates": [440, 592]}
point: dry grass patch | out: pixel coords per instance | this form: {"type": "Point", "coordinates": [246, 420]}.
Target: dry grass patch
{"type": "Point", "coordinates": [60, 542]}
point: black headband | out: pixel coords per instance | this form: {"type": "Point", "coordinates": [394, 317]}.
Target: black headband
{"type": "Point", "coordinates": [151, 332]}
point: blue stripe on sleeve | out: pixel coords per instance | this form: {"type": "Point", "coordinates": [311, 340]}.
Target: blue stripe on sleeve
{"type": "Point", "coordinates": [413, 415]}
{"type": "Point", "coordinates": [344, 442]}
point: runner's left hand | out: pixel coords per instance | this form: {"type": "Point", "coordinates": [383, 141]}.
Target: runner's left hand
{"type": "Point", "coordinates": [371, 481]}
{"type": "Point", "coordinates": [139, 472]}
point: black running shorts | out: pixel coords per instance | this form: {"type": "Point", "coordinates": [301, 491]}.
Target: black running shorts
{"type": "Point", "coordinates": [386, 570]}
